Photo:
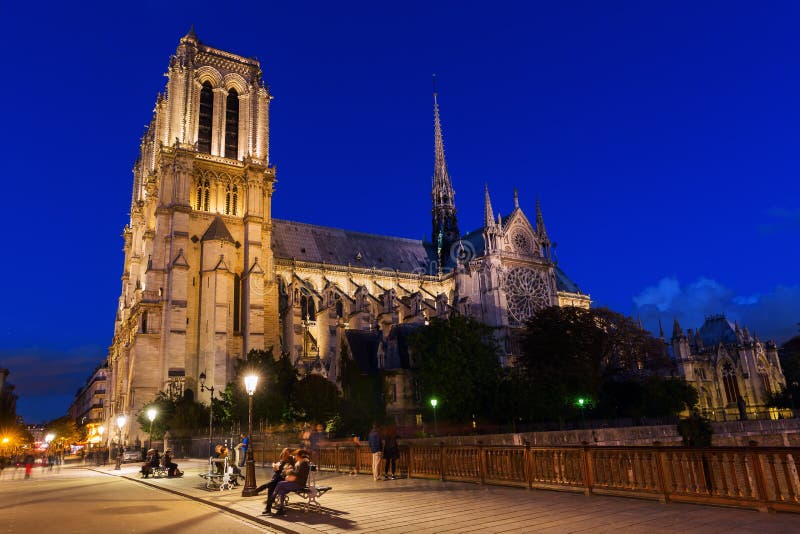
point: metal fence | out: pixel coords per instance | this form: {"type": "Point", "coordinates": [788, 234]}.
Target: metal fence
{"type": "Point", "coordinates": [762, 478]}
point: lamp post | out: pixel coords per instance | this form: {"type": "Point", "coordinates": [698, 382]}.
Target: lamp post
{"type": "Point", "coordinates": [250, 383]}
{"type": "Point", "coordinates": [434, 403]}
{"type": "Point", "coordinates": [203, 387]}
{"type": "Point", "coordinates": [121, 420]}
{"type": "Point", "coordinates": [151, 414]}
{"type": "Point", "coordinates": [581, 403]}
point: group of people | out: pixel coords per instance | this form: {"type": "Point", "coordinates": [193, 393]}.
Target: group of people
{"type": "Point", "coordinates": [154, 461]}
{"type": "Point", "coordinates": [290, 473]}
{"type": "Point", "coordinates": [384, 449]}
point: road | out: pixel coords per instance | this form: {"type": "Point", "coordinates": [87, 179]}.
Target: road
{"type": "Point", "coordinates": [80, 500]}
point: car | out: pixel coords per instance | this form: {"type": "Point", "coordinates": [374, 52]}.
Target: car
{"type": "Point", "coordinates": [131, 455]}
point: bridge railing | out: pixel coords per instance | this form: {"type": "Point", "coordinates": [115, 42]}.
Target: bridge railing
{"type": "Point", "coordinates": [763, 478]}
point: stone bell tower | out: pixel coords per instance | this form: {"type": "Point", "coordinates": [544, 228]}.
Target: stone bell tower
{"type": "Point", "coordinates": [198, 279]}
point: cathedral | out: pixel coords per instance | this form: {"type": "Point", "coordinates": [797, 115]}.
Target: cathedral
{"type": "Point", "coordinates": [733, 372]}
{"type": "Point", "coordinates": [209, 274]}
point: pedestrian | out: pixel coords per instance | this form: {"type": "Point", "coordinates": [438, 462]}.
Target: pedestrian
{"type": "Point", "coordinates": [28, 461]}
{"type": "Point", "coordinates": [376, 448]}
{"type": "Point", "coordinates": [391, 452]}
{"type": "Point", "coordinates": [241, 449]}
{"type": "Point", "coordinates": [295, 479]}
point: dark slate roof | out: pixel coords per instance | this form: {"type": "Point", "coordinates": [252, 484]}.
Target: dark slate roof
{"type": "Point", "coordinates": [717, 329]}
{"type": "Point", "coordinates": [217, 230]}
{"type": "Point", "coordinates": [364, 348]}
{"type": "Point", "coordinates": [563, 282]}
{"type": "Point", "coordinates": [475, 240]}
{"type": "Point", "coordinates": [308, 242]}
{"type": "Point", "coordinates": [397, 346]}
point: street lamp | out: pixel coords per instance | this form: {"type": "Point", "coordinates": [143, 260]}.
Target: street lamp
{"type": "Point", "coordinates": [151, 414]}
{"type": "Point", "coordinates": [121, 420]}
{"type": "Point", "coordinates": [434, 403]}
{"type": "Point", "coordinates": [250, 383]}
{"type": "Point", "coordinates": [581, 403]}
{"type": "Point", "coordinates": [203, 387]}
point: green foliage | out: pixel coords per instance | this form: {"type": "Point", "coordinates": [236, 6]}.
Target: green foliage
{"type": "Point", "coordinates": [181, 417]}
{"type": "Point", "coordinates": [315, 398]}
{"type": "Point", "coordinates": [64, 430]}
{"type": "Point", "coordinates": [696, 431]}
{"type": "Point", "coordinates": [271, 401]}
{"type": "Point", "coordinates": [457, 362]}
{"type": "Point", "coordinates": [599, 354]}
{"type": "Point", "coordinates": [8, 406]}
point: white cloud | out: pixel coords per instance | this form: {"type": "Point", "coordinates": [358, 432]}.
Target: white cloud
{"type": "Point", "coordinates": [773, 314]}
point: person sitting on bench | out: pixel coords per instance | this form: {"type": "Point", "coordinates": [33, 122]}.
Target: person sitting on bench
{"type": "Point", "coordinates": [295, 480]}
{"type": "Point", "coordinates": [281, 467]}
{"type": "Point", "coordinates": [219, 461]}
{"type": "Point", "coordinates": [151, 462]}
{"type": "Point", "coordinates": [172, 467]}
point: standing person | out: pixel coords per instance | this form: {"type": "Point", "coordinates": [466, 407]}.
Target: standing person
{"type": "Point", "coordinates": [242, 448]}
{"type": "Point", "coordinates": [376, 448]}
{"type": "Point", "coordinates": [28, 461]}
{"type": "Point", "coordinates": [295, 479]}
{"type": "Point", "coordinates": [391, 452]}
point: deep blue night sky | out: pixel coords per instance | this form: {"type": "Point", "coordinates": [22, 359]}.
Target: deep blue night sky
{"type": "Point", "coordinates": [661, 137]}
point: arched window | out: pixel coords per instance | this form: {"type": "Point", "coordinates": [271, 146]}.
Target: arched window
{"type": "Point", "coordinates": [199, 200]}
{"type": "Point", "coordinates": [339, 307]}
{"type": "Point", "coordinates": [227, 200]}
{"type": "Point", "coordinates": [232, 125]}
{"type": "Point", "coordinates": [237, 297]}
{"type": "Point", "coordinates": [730, 383]}
{"type": "Point", "coordinates": [205, 119]}
{"type": "Point", "coordinates": [234, 200]}
{"type": "Point", "coordinates": [144, 322]}
{"type": "Point", "coordinates": [307, 309]}
{"type": "Point", "coordinates": [207, 196]}
{"type": "Point", "coordinates": [765, 382]}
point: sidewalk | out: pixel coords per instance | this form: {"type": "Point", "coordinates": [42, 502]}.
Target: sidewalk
{"type": "Point", "coordinates": [357, 503]}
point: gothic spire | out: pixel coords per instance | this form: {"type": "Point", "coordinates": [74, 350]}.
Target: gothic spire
{"type": "Point", "coordinates": [677, 331]}
{"type": "Point", "coordinates": [488, 213]}
{"type": "Point", "coordinates": [516, 199]}
{"type": "Point", "coordinates": [445, 225]}
{"type": "Point", "coordinates": [540, 223]}
{"type": "Point", "coordinates": [660, 329]}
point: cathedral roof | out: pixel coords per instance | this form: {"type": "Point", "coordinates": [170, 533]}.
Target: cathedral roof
{"type": "Point", "coordinates": [717, 329]}
{"type": "Point", "coordinates": [322, 244]}
{"type": "Point", "coordinates": [217, 230]}
{"type": "Point", "coordinates": [564, 283]}
{"type": "Point", "coordinates": [364, 348]}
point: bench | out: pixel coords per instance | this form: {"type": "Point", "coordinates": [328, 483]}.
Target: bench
{"type": "Point", "coordinates": [311, 492]}
{"type": "Point", "coordinates": [157, 472]}
{"type": "Point", "coordinates": [222, 481]}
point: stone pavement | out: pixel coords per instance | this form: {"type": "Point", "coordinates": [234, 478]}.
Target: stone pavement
{"type": "Point", "coordinates": [357, 503]}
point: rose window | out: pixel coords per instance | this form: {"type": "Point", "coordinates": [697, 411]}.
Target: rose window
{"type": "Point", "coordinates": [526, 293]}
{"type": "Point", "coordinates": [521, 243]}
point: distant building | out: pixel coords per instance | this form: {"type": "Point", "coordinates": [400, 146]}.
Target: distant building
{"type": "Point", "coordinates": [733, 372]}
{"type": "Point", "coordinates": [88, 407]}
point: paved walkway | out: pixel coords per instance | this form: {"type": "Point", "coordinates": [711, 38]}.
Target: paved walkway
{"type": "Point", "coordinates": [357, 503]}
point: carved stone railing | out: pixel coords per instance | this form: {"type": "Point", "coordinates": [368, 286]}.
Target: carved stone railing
{"type": "Point", "coordinates": [762, 478]}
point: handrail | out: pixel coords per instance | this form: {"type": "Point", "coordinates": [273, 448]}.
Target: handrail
{"type": "Point", "coordinates": [761, 478]}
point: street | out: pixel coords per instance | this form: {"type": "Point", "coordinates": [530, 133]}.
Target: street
{"type": "Point", "coordinates": [80, 500]}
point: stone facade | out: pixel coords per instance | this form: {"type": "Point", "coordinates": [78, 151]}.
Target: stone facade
{"type": "Point", "coordinates": [209, 274]}
{"type": "Point", "coordinates": [89, 404]}
{"type": "Point", "coordinates": [733, 372]}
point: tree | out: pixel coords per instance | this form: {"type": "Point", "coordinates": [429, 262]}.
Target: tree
{"type": "Point", "coordinates": [600, 355]}
{"type": "Point", "coordinates": [456, 361]}
{"type": "Point", "coordinates": [8, 406]}
{"type": "Point", "coordinates": [315, 398]}
{"type": "Point", "coordinates": [271, 401]}
{"type": "Point", "coordinates": [65, 431]}
{"type": "Point", "coordinates": [363, 402]}
{"type": "Point", "coordinates": [181, 416]}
